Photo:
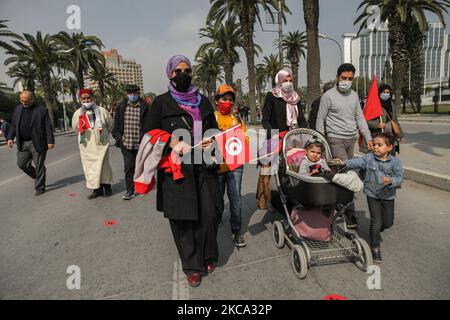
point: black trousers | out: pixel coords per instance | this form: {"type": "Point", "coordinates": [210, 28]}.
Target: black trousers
{"type": "Point", "coordinates": [27, 154]}
{"type": "Point", "coordinates": [196, 240]}
{"type": "Point", "coordinates": [129, 160]}
{"type": "Point", "coordinates": [381, 218]}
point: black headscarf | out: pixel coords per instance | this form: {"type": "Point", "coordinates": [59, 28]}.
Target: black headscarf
{"type": "Point", "coordinates": [387, 105]}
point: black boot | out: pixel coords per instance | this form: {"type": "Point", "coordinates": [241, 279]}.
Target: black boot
{"type": "Point", "coordinates": [376, 254]}
{"type": "Point", "coordinates": [107, 190]}
{"type": "Point", "coordinates": [96, 193]}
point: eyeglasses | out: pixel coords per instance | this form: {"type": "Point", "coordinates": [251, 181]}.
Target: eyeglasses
{"type": "Point", "coordinates": [178, 71]}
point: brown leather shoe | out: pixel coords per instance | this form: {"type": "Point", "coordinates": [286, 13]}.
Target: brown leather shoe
{"type": "Point", "coordinates": [211, 267]}
{"type": "Point", "coordinates": [194, 279]}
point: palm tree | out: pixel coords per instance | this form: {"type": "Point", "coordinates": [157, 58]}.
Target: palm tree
{"type": "Point", "coordinates": [210, 66]}
{"type": "Point", "coordinates": [260, 81]}
{"type": "Point", "coordinates": [272, 66]}
{"type": "Point", "coordinates": [114, 94]}
{"type": "Point", "coordinates": [5, 33]}
{"type": "Point", "coordinates": [25, 73]}
{"type": "Point", "coordinates": [399, 14]}
{"type": "Point", "coordinates": [294, 44]}
{"type": "Point", "coordinates": [80, 52]}
{"type": "Point", "coordinates": [311, 15]}
{"type": "Point", "coordinates": [101, 74]}
{"type": "Point", "coordinates": [226, 38]}
{"type": "Point", "coordinates": [248, 12]}
{"type": "Point", "coordinates": [72, 85]}
{"type": "Point", "coordinates": [40, 52]}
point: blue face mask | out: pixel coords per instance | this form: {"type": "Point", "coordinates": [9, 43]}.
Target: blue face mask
{"type": "Point", "coordinates": [385, 96]}
{"type": "Point", "coordinates": [133, 98]}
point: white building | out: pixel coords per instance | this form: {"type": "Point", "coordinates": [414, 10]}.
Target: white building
{"type": "Point", "coordinates": [370, 52]}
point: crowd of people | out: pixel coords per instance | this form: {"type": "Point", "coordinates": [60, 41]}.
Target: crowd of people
{"type": "Point", "coordinates": [192, 198]}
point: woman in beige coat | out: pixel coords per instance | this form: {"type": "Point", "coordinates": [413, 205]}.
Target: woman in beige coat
{"type": "Point", "coordinates": [94, 124]}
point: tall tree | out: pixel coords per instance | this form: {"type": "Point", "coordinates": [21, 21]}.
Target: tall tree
{"type": "Point", "coordinates": [210, 66]}
{"type": "Point", "coordinates": [261, 81]}
{"type": "Point", "coordinates": [272, 66]}
{"type": "Point", "coordinates": [295, 45]}
{"type": "Point", "coordinates": [311, 16]}
{"type": "Point", "coordinates": [399, 14]}
{"type": "Point", "coordinates": [6, 33]}
{"type": "Point", "coordinates": [39, 51]}
{"type": "Point", "coordinates": [416, 59]}
{"type": "Point", "coordinates": [248, 12]}
{"type": "Point", "coordinates": [103, 77]}
{"type": "Point", "coordinates": [25, 73]}
{"type": "Point", "coordinates": [80, 51]}
{"type": "Point", "coordinates": [226, 38]}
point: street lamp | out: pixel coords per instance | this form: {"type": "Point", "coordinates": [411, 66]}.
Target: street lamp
{"type": "Point", "coordinates": [322, 36]}
{"type": "Point", "coordinates": [270, 20]}
{"type": "Point", "coordinates": [60, 52]}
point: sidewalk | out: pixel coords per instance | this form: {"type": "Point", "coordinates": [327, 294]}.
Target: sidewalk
{"type": "Point", "coordinates": [438, 118]}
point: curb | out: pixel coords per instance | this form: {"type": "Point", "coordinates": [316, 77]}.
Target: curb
{"type": "Point", "coordinates": [433, 179]}
{"type": "Point", "coordinates": [424, 120]}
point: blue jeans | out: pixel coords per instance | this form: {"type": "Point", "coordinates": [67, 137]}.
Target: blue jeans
{"type": "Point", "coordinates": [233, 182]}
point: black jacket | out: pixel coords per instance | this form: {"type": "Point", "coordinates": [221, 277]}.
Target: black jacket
{"type": "Point", "coordinates": [313, 113]}
{"type": "Point", "coordinates": [41, 128]}
{"type": "Point", "coordinates": [274, 114]}
{"type": "Point", "coordinates": [179, 200]}
{"type": "Point", "coordinates": [119, 120]}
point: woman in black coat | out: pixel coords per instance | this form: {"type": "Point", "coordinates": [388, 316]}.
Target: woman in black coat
{"type": "Point", "coordinates": [282, 111]}
{"type": "Point", "coordinates": [192, 204]}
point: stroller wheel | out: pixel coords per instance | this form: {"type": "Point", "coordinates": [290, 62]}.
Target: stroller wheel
{"type": "Point", "coordinates": [278, 234]}
{"type": "Point", "coordinates": [363, 257]}
{"type": "Point", "coordinates": [299, 261]}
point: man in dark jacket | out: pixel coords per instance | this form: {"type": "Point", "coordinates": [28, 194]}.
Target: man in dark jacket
{"type": "Point", "coordinates": [129, 128]}
{"type": "Point", "coordinates": [315, 107]}
{"type": "Point", "coordinates": [33, 131]}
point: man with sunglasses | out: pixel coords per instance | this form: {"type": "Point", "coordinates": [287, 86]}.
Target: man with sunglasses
{"type": "Point", "coordinates": [340, 119]}
{"type": "Point", "coordinates": [129, 128]}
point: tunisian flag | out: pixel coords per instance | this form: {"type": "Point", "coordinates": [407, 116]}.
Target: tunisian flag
{"type": "Point", "coordinates": [83, 123]}
{"type": "Point", "coordinates": [233, 147]}
{"type": "Point", "coordinates": [372, 108]}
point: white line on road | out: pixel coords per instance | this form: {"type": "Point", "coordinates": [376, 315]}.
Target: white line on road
{"type": "Point", "coordinates": [49, 165]}
{"type": "Point", "coordinates": [180, 289]}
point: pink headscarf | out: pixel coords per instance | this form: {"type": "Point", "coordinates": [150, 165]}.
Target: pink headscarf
{"type": "Point", "coordinates": [291, 98]}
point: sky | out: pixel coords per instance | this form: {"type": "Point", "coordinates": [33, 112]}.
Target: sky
{"type": "Point", "coordinates": [151, 31]}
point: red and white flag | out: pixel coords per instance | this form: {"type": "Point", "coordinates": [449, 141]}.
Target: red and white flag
{"type": "Point", "coordinates": [83, 123]}
{"type": "Point", "coordinates": [234, 147]}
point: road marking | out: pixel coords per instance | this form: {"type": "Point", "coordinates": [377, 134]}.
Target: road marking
{"type": "Point", "coordinates": [180, 289]}
{"type": "Point", "coordinates": [49, 165]}
{"type": "Point", "coordinates": [442, 213]}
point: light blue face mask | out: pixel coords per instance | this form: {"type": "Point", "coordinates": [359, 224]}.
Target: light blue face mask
{"type": "Point", "coordinates": [344, 86]}
{"type": "Point", "coordinates": [385, 96]}
{"type": "Point", "coordinates": [133, 98]}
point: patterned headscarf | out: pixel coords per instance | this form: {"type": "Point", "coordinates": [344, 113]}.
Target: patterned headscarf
{"type": "Point", "coordinates": [291, 98]}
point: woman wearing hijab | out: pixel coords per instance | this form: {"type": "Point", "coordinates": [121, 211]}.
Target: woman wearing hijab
{"type": "Point", "coordinates": [385, 123]}
{"type": "Point", "coordinates": [282, 111]}
{"type": "Point", "coordinates": [94, 124]}
{"type": "Point", "coordinates": [192, 204]}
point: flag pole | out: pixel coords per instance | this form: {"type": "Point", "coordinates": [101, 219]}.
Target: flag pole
{"type": "Point", "coordinates": [217, 135]}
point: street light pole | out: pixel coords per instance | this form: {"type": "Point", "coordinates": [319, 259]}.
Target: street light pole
{"type": "Point", "coordinates": [322, 36]}
{"type": "Point", "coordinates": [280, 31]}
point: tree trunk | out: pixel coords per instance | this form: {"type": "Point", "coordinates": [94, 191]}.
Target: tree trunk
{"type": "Point", "coordinates": [247, 20]}
{"type": "Point", "coordinates": [228, 69]}
{"type": "Point", "coordinates": [48, 99]}
{"type": "Point", "coordinates": [294, 67]}
{"type": "Point", "coordinates": [311, 14]}
{"type": "Point", "coordinates": [399, 54]}
{"type": "Point", "coordinates": [80, 78]}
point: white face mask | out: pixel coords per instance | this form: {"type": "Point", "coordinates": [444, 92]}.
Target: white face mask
{"type": "Point", "coordinates": [87, 105]}
{"type": "Point", "coordinates": [287, 86]}
{"type": "Point", "coordinates": [385, 96]}
{"type": "Point", "coordinates": [344, 86]}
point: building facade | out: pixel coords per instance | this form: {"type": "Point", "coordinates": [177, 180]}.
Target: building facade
{"type": "Point", "coordinates": [369, 54]}
{"type": "Point", "coordinates": [126, 71]}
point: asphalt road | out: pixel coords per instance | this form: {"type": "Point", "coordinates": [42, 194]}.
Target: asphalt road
{"type": "Point", "coordinates": [40, 237]}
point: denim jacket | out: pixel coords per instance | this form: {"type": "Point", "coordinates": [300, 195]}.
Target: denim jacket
{"type": "Point", "coordinates": [376, 169]}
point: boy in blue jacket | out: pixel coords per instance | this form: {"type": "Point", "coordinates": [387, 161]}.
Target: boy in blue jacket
{"type": "Point", "coordinates": [384, 174]}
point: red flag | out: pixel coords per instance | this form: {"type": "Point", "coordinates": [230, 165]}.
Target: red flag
{"type": "Point", "coordinates": [234, 147]}
{"type": "Point", "coordinates": [147, 99]}
{"type": "Point", "coordinates": [372, 108]}
{"type": "Point", "coordinates": [83, 123]}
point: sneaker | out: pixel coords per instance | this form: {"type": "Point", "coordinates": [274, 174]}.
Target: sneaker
{"type": "Point", "coordinates": [353, 224]}
{"type": "Point", "coordinates": [239, 240]}
{"type": "Point", "coordinates": [376, 255]}
{"type": "Point", "coordinates": [129, 195]}
{"type": "Point", "coordinates": [39, 192]}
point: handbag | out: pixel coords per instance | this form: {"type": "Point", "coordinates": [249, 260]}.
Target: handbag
{"type": "Point", "coordinates": [395, 126]}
